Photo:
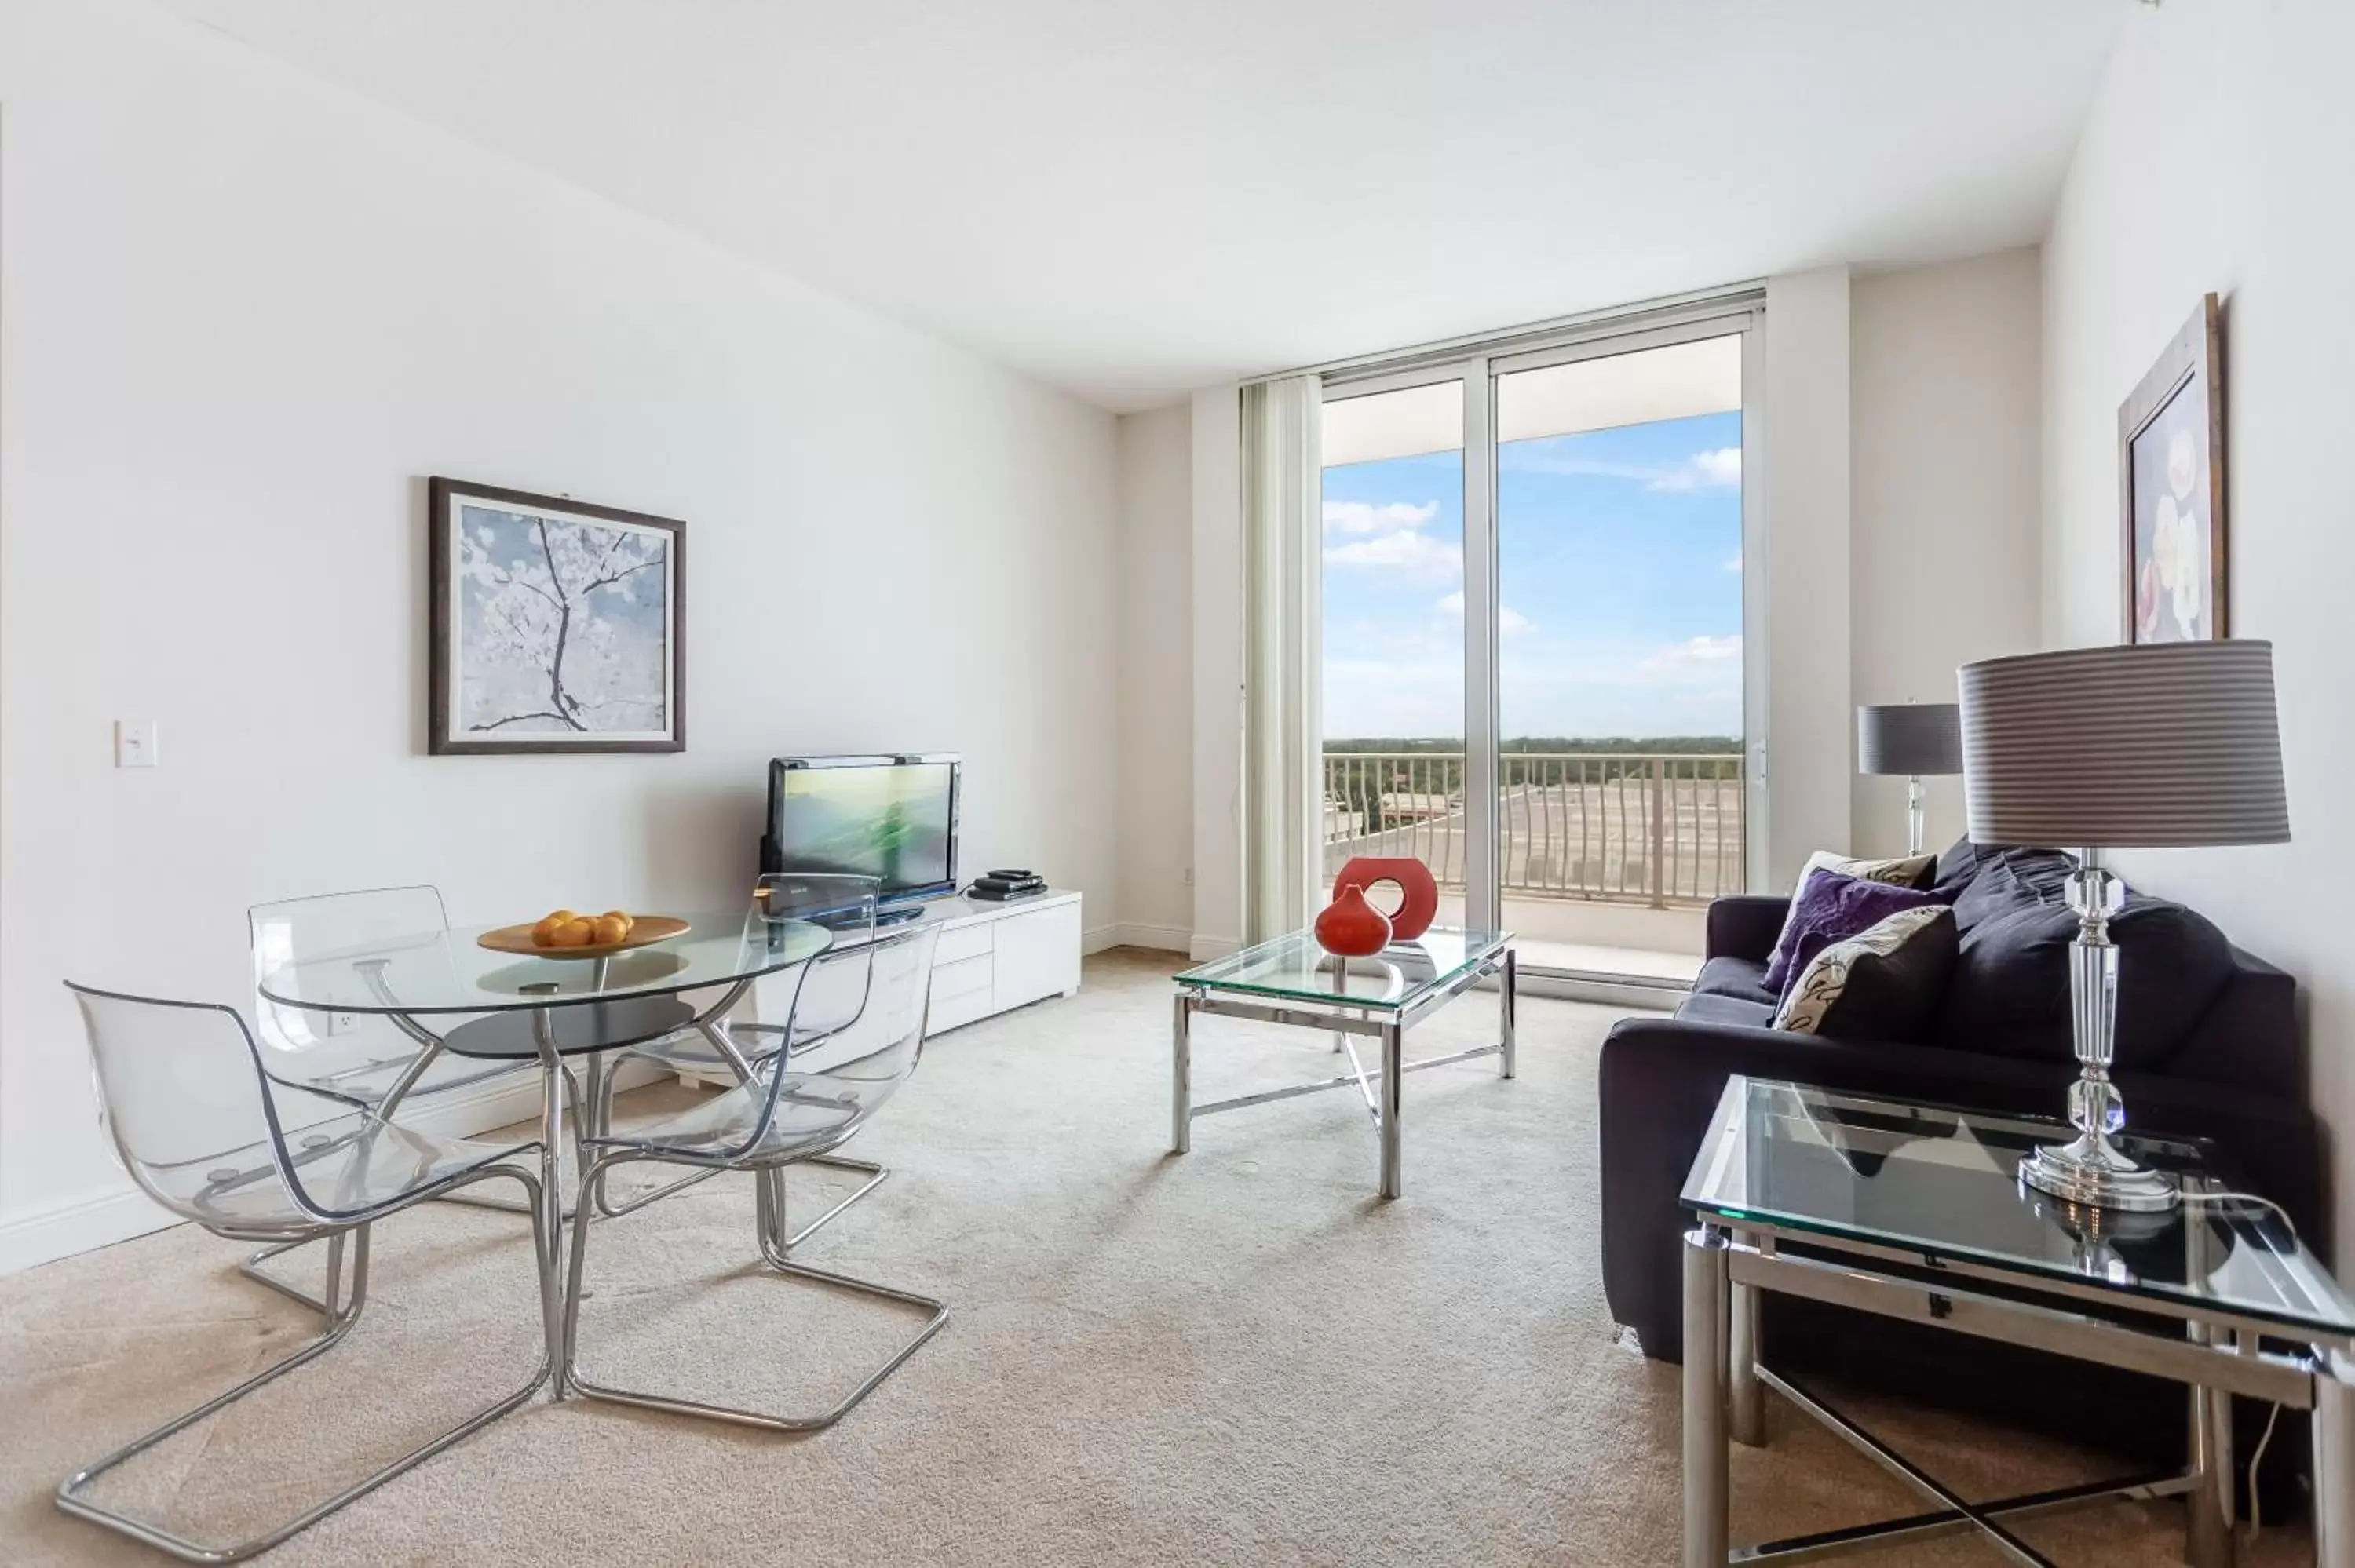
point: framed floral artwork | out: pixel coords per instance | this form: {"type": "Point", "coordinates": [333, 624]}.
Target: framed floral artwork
{"type": "Point", "coordinates": [2172, 489]}
{"type": "Point", "coordinates": [556, 626]}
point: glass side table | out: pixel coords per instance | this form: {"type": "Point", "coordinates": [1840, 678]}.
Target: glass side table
{"type": "Point", "coordinates": [1916, 1212]}
{"type": "Point", "coordinates": [1292, 980]}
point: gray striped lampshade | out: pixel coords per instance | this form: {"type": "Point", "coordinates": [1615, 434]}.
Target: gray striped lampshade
{"type": "Point", "coordinates": [1912, 738]}
{"type": "Point", "coordinates": [2167, 743]}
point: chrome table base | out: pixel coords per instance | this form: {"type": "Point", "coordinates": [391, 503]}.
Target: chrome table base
{"type": "Point", "coordinates": [1379, 1087]}
{"type": "Point", "coordinates": [2219, 1356]}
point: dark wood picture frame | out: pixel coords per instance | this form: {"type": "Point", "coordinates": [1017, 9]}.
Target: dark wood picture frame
{"type": "Point", "coordinates": [442, 498]}
{"type": "Point", "coordinates": [2195, 355]}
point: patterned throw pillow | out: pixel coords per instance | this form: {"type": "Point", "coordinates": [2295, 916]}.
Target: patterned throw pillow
{"type": "Point", "coordinates": [1907, 871]}
{"type": "Point", "coordinates": [1885, 983]}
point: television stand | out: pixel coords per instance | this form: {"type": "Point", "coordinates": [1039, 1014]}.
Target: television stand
{"type": "Point", "coordinates": [991, 958]}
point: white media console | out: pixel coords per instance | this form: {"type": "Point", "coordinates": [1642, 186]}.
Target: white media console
{"type": "Point", "coordinates": [991, 958]}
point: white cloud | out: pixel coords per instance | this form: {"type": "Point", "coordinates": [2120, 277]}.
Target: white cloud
{"type": "Point", "coordinates": [1693, 656]}
{"type": "Point", "coordinates": [1402, 550]}
{"type": "Point", "coordinates": [1719, 468]}
{"type": "Point", "coordinates": [1733, 563]}
{"type": "Point", "coordinates": [1510, 623]}
{"type": "Point", "coordinates": [1365, 517]}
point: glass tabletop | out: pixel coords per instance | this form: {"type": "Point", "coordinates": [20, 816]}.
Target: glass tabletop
{"type": "Point", "coordinates": [449, 971]}
{"type": "Point", "coordinates": [1942, 1183]}
{"type": "Point", "coordinates": [1294, 968]}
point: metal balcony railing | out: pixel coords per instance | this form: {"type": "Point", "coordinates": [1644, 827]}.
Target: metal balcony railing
{"type": "Point", "coordinates": [1657, 828]}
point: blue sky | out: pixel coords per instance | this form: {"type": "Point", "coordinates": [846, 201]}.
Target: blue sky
{"type": "Point", "coordinates": [1620, 557]}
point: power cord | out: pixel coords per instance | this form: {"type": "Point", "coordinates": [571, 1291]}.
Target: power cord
{"type": "Point", "coordinates": [2257, 1501]}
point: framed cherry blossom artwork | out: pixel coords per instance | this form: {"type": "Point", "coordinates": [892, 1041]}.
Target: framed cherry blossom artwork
{"type": "Point", "coordinates": [556, 626]}
{"type": "Point", "coordinates": [2172, 489]}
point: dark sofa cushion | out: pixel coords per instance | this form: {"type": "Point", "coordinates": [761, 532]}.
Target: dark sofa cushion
{"type": "Point", "coordinates": [2009, 993]}
{"type": "Point", "coordinates": [1955, 869]}
{"type": "Point", "coordinates": [1727, 1011]}
{"type": "Point", "coordinates": [1885, 984]}
{"type": "Point", "coordinates": [1729, 976]}
{"type": "Point", "coordinates": [2005, 881]}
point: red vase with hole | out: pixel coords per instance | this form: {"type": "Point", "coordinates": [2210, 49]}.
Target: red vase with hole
{"type": "Point", "coordinates": [1350, 927]}
{"type": "Point", "coordinates": [1418, 891]}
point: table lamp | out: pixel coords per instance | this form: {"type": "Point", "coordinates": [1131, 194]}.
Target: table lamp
{"type": "Point", "coordinates": [2163, 744]}
{"type": "Point", "coordinates": [1916, 739]}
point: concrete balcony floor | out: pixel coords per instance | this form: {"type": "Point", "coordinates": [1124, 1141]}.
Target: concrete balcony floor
{"type": "Point", "coordinates": [1594, 938]}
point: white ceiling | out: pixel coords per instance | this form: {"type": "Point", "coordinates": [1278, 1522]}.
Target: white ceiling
{"type": "Point", "coordinates": [1132, 200]}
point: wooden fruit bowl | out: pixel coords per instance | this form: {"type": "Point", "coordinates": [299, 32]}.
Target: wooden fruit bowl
{"type": "Point", "coordinates": [647, 930]}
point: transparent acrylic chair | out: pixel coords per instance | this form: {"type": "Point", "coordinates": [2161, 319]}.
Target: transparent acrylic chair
{"type": "Point", "coordinates": [371, 1061]}
{"type": "Point", "coordinates": [377, 1062]}
{"type": "Point", "coordinates": [204, 1131]}
{"type": "Point", "coordinates": [791, 1107]}
{"type": "Point", "coordinates": [825, 1000]}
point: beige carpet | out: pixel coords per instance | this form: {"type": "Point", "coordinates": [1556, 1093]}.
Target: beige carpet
{"type": "Point", "coordinates": [1236, 1356]}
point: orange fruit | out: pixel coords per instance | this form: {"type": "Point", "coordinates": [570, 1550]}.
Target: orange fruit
{"type": "Point", "coordinates": [544, 934]}
{"type": "Point", "coordinates": [624, 916]}
{"type": "Point", "coordinates": [574, 933]}
{"type": "Point", "coordinates": [612, 928]}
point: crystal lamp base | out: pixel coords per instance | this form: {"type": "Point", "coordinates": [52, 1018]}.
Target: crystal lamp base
{"type": "Point", "coordinates": [2092, 1171]}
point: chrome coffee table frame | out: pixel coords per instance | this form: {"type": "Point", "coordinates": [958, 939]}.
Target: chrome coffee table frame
{"type": "Point", "coordinates": [1342, 1018]}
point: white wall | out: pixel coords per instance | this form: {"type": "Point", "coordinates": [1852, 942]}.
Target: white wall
{"type": "Point", "coordinates": [242, 316]}
{"type": "Point", "coordinates": [2219, 156]}
{"type": "Point", "coordinates": [1944, 494]}
{"type": "Point", "coordinates": [1156, 677]}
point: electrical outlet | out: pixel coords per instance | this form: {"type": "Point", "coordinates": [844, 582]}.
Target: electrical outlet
{"type": "Point", "coordinates": [1189, 876]}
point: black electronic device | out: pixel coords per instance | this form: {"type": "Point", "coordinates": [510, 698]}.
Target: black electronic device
{"type": "Point", "coordinates": [1001, 886]}
{"type": "Point", "coordinates": [893, 818]}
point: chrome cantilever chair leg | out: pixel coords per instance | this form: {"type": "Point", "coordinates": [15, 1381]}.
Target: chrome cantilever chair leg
{"type": "Point", "coordinates": [251, 1269]}
{"type": "Point", "coordinates": [770, 1202]}
{"type": "Point", "coordinates": [72, 1493]}
{"type": "Point", "coordinates": [608, 1209]}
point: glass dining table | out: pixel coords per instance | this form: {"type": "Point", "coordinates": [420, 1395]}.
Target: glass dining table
{"type": "Point", "coordinates": [448, 992]}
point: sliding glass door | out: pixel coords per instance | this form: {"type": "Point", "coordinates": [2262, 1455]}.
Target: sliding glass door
{"type": "Point", "coordinates": [1535, 676]}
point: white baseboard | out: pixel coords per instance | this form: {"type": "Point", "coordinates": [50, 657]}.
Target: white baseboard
{"type": "Point", "coordinates": [1201, 948]}
{"type": "Point", "coordinates": [1098, 940]}
{"type": "Point", "coordinates": [1163, 938]}
{"type": "Point", "coordinates": [120, 1211]}
{"type": "Point", "coordinates": [80, 1224]}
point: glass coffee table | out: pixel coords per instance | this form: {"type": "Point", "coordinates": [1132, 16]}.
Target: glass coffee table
{"type": "Point", "coordinates": [1916, 1212]}
{"type": "Point", "coordinates": [1292, 980]}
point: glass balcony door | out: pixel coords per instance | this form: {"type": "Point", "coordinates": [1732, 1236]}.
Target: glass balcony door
{"type": "Point", "coordinates": [1534, 675]}
{"type": "Point", "coordinates": [1623, 799]}
{"type": "Point", "coordinates": [1392, 697]}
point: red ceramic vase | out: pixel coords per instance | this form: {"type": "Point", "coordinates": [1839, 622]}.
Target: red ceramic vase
{"type": "Point", "coordinates": [1352, 928]}
{"type": "Point", "coordinates": [1418, 892]}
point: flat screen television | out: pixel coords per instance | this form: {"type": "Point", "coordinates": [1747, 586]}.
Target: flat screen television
{"type": "Point", "coordinates": [889, 817]}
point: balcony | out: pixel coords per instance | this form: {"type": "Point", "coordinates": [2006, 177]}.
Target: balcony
{"type": "Point", "coordinates": [1608, 860]}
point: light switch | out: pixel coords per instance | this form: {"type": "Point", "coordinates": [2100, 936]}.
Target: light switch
{"type": "Point", "coordinates": [134, 743]}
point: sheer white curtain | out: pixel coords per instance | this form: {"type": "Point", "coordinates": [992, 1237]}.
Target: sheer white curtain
{"type": "Point", "coordinates": [1284, 816]}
